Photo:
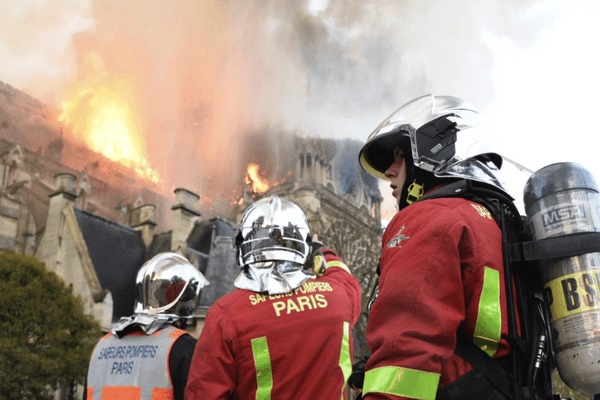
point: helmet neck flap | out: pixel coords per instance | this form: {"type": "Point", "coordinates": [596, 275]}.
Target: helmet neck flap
{"type": "Point", "coordinates": [479, 170]}
{"type": "Point", "coordinates": [272, 277]}
{"type": "Point", "coordinates": [441, 138]}
{"type": "Point", "coordinates": [148, 323]}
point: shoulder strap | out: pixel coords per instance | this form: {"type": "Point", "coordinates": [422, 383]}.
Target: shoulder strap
{"type": "Point", "coordinates": [564, 246]}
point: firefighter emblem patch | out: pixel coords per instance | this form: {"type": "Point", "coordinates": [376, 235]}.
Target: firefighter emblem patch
{"type": "Point", "coordinates": [396, 241]}
{"type": "Point", "coordinates": [482, 211]}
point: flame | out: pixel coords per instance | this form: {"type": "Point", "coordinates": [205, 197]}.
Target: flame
{"type": "Point", "coordinates": [100, 115]}
{"type": "Point", "coordinates": [258, 184]}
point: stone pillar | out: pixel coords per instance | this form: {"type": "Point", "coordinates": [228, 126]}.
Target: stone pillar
{"type": "Point", "coordinates": [186, 212]}
{"type": "Point", "coordinates": [63, 197]}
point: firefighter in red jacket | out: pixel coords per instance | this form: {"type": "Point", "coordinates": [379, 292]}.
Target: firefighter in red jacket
{"type": "Point", "coordinates": [441, 266]}
{"type": "Point", "coordinates": [147, 356]}
{"type": "Point", "coordinates": [283, 333]}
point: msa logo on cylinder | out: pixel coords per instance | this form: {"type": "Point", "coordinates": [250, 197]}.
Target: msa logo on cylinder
{"type": "Point", "coordinates": [563, 214]}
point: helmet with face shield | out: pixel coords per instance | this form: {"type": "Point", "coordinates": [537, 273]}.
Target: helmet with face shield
{"type": "Point", "coordinates": [438, 135]}
{"type": "Point", "coordinates": [273, 246]}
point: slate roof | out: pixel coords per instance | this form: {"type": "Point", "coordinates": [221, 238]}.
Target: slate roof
{"type": "Point", "coordinates": [117, 253]}
{"type": "Point", "coordinates": [202, 259]}
{"type": "Point", "coordinates": [201, 236]}
{"type": "Point", "coordinates": [216, 238]}
{"type": "Point", "coordinates": [160, 242]}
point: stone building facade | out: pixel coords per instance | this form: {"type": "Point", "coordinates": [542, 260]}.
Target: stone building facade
{"type": "Point", "coordinates": [94, 223]}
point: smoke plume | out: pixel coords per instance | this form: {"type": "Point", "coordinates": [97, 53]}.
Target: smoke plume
{"type": "Point", "coordinates": [203, 73]}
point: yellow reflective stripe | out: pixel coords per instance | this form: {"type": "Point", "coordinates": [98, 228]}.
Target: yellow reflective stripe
{"type": "Point", "coordinates": [337, 264]}
{"type": "Point", "coordinates": [345, 359]}
{"type": "Point", "coordinates": [489, 317]}
{"type": "Point", "coordinates": [399, 381]}
{"type": "Point", "coordinates": [262, 363]}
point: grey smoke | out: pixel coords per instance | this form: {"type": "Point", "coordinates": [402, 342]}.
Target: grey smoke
{"type": "Point", "coordinates": [207, 72]}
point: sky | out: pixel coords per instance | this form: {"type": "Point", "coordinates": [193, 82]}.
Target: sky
{"type": "Point", "coordinates": [199, 74]}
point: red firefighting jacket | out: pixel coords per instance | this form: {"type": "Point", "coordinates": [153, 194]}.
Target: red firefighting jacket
{"type": "Point", "coordinates": [291, 346]}
{"type": "Point", "coordinates": [441, 278]}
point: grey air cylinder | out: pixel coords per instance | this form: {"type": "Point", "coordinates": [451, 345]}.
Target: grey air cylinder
{"type": "Point", "coordinates": [561, 199]}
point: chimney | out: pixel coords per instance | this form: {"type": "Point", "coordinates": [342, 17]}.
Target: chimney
{"type": "Point", "coordinates": [62, 198]}
{"type": "Point", "coordinates": [142, 220]}
{"type": "Point", "coordinates": [186, 212]}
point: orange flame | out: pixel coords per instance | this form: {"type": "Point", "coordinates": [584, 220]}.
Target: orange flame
{"type": "Point", "coordinates": [258, 184]}
{"type": "Point", "coordinates": [100, 115]}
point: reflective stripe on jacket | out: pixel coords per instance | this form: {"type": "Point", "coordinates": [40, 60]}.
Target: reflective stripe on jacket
{"type": "Point", "coordinates": [291, 346]}
{"type": "Point", "coordinates": [135, 367]}
{"type": "Point", "coordinates": [441, 278]}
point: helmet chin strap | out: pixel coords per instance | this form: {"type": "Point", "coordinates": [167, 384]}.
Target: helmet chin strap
{"type": "Point", "coordinates": [417, 183]}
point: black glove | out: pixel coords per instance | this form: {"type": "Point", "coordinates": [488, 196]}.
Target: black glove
{"type": "Point", "coordinates": [357, 377]}
{"type": "Point", "coordinates": [315, 262]}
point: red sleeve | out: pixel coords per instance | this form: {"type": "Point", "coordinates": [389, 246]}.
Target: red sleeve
{"type": "Point", "coordinates": [433, 264]}
{"type": "Point", "coordinates": [212, 372]}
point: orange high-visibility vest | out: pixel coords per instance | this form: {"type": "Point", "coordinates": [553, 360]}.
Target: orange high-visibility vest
{"type": "Point", "coordinates": [134, 367]}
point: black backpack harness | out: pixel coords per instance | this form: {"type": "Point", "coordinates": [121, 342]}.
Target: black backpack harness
{"type": "Point", "coordinates": [531, 363]}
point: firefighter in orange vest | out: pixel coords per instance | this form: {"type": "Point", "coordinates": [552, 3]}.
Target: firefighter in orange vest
{"type": "Point", "coordinates": [284, 332]}
{"type": "Point", "coordinates": [441, 267]}
{"type": "Point", "coordinates": [147, 356]}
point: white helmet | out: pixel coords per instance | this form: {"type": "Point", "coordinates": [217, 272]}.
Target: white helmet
{"type": "Point", "coordinates": [273, 246]}
{"type": "Point", "coordinates": [437, 134]}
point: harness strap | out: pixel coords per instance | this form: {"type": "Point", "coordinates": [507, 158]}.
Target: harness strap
{"type": "Point", "coordinates": [570, 245]}
{"type": "Point", "coordinates": [486, 365]}
{"type": "Point", "coordinates": [516, 386]}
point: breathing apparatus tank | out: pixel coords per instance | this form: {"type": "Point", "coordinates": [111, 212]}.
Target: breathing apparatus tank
{"type": "Point", "coordinates": [562, 199]}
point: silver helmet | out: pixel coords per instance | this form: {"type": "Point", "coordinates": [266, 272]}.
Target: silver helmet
{"type": "Point", "coordinates": [168, 284]}
{"type": "Point", "coordinates": [441, 135]}
{"type": "Point", "coordinates": [273, 229]}
{"type": "Point", "coordinates": [273, 246]}
{"type": "Point", "coordinates": [167, 292]}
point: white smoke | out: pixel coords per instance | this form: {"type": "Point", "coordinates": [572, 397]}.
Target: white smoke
{"type": "Point", "coordinates": [208, 71]}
